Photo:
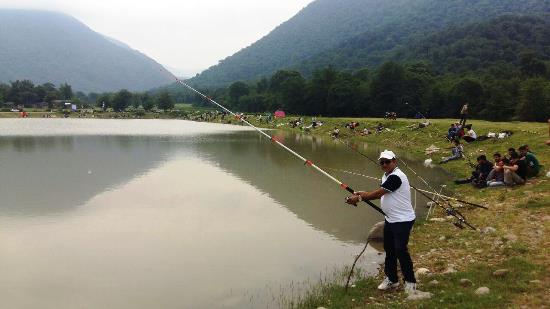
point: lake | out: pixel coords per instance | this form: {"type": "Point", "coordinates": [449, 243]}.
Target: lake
{"type": "Point", "coordinates": [173, 214]}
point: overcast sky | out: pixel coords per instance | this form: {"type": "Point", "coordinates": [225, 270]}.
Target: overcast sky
{"type": "Point", "coordinates": [187, 35]}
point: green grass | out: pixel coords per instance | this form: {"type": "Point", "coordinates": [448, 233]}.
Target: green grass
{"type": "Point", "coordinates": [447, 294]}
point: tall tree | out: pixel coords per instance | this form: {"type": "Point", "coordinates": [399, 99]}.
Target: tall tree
{"type": "Point", "coordinates": [342, 94]}
{"type": "Point", "coordinates": [4, 89]}
{"type": "Point", "coordinates": [147, 102]}
{"type": "Point", "coordinates": [388, 88]}
{"type": "Point", "coordinates": [136, 100]}
{"type": "Point", "coordinates": [318, 90]}
{"type": "Point", "coordinates": [21, 91]}
{"type": "Point", "coordinates": [237, 90]}
{"type": "Point", "coordinates": [534, 104]}
{"type": "Point", "coordinates": [66, 91]}
{"type": "Point", "coordinates": [121, 100]}
{"type": "Point", "coordinates": [165, 101]}
{"type": "Point", "coordinates": [288, 89]}
{"type": "Point", "coordinates": [104, 101]}
{"type": "Point", "coordinates": [469, 91]}
{"type": "Point", "coordinates": [50, 97]}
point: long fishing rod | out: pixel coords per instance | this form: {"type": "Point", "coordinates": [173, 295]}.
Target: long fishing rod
{"type": "Point", "coordinates": [451, 211]}
{"type": "Point", "coordinates": [275, 141]}
{"type": "Point", "coordinates": [400, 160]}
{"type": "Point", "coordinates": [433, 191]}
{"type": "Point", "coordinates": [413, 187]}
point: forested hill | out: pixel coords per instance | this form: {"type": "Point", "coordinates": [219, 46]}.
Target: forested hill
{"type": "Point", "coordinates": [50, 47]}
{"type": "Point", "coordinates": [355, 33]}
{"type": "Point", "coordinates": [500, 45]}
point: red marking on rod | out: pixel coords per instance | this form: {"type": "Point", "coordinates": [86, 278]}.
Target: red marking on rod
{"type": "Point", "coordinates": [308, 162]}
{"type": "Point", "coordinates": [274, 139]}
{"type": "Point", "coordinates": [344, 186]}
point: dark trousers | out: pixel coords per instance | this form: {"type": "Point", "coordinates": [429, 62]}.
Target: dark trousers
{"type": "Point", "coordinates": [463, 118]}
{"type": "Point", "coordinates": [396, 238]}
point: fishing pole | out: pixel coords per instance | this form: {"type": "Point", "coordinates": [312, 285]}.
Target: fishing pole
{"type": "Point", "coordinates": [413, 187]}
{"type": "Point", "coordinates": [451, 211]}
{"type": "Point", "coordinates": [433, 191]}
{"type": "Point", "coordinates": [275, 141]}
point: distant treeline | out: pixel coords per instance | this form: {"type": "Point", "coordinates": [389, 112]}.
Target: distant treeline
{"type": "Point", "coordinates": [521, 93]}
{"type": "Point", "coordinates": [24, 93]}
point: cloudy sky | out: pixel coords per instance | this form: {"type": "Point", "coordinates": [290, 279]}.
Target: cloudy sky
{"type": "Point", "coordinates": [184, 35]}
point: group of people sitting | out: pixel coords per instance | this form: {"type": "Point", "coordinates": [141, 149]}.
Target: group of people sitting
{"type": "Point", "coordinates": [354, 125]}
{"type": "Point", "coordinates": [510, 170]}
{"type": "Point", "coordinates": [390, 115]}
{"type": "Point", "coordinates": [459, 131]}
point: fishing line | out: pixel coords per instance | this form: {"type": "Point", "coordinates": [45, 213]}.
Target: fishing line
{"type": "Point", "coordinates": [451, 211]}
{"type": "Point", "coordinates": [276, 141]}
{"type": "Point", "coordinates": [442, 196]}
{"type": "Point", "coordinates": [433, 191]}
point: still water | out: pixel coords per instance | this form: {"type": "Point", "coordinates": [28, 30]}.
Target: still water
{"type": "Point", "coordinates": [171, 214]}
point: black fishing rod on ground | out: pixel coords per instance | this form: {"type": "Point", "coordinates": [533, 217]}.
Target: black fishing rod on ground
{"type": "Point", "coordinates": [277, 142]}
{"type": "Point", "coordinates": [460, 220]}
{"type": "Point", "coordinates": [434, 192]}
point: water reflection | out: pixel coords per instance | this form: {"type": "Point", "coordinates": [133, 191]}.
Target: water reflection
{"type": "Point", "coordinates": [161, 220]}
{"type": "Point", "coordinates": [44, 175]}
{"type": "Point", "coordinates": [311, 196]}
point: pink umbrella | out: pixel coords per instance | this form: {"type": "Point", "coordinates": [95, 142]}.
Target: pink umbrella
{"type": "Point", "coordinates": [280, 114]}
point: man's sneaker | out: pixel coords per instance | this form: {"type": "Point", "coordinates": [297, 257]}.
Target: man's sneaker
{"type": "Point", "coordinates": [414, 294]}
{"type": "Point", "coordinates": [387, 284]}
{"type": "Point", "coordinates": [410, 288]}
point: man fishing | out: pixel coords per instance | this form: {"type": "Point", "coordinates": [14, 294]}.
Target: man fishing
{"type": "Point", "coordinates": [395, 196]}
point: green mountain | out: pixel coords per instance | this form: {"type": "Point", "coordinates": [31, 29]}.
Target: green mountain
{"type": "Point", "coordinates": [51, 47]}
{"type": "Point", "coordinates": [504, 41]}
{"type": "Point", "coordinates": [355, 33]}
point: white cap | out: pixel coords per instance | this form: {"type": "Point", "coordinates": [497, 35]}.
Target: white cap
{"type": "Point", "coordinates": [387, 154]}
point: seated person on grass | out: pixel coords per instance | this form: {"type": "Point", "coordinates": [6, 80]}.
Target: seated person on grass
{"type": "Point", "coordinates": [470, 135]}
{"type": "Point", "coordinates": [379, 128]}
{"type": "Point", "coordinates": [496, 176]}
{"type": "Point", "coordinates": [511, 151]}
{"type": "Point", "coordinates": [479, 176]}
{"type": "Point", "coordinates": [459, 131]}
{"type": "Point", "coordinates": [365, 132]}
{"type": "Point", "coordinates": [335, 133]}
{"type": "Point", "coordinates": [457, 152]}
{"type": "Point", "coordinates": [533, 166]}
{"type": "Point", "coordinates": [451, 133]}
{"type": "Point", "coordinates": [515, 173]}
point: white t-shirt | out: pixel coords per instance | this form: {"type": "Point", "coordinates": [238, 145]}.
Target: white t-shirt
{"type": "Point", "coordinates": [397, 202]}
{"type": "Point", "coordinates": [472, 134]}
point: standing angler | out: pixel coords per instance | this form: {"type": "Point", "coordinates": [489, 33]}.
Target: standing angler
{"type": "Point", "coordinates": [395, 196]}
